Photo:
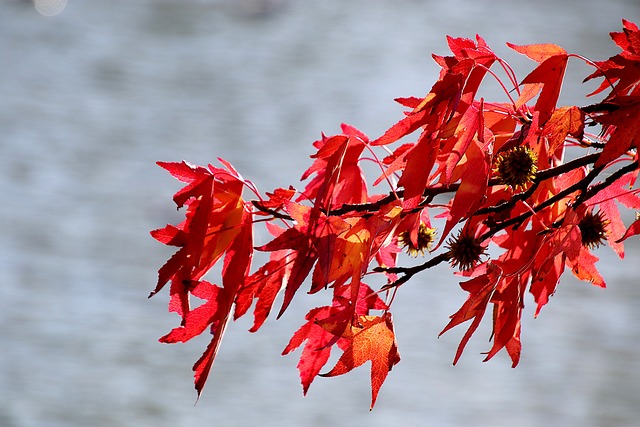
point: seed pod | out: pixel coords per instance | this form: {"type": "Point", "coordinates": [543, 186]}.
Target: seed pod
{"type": "Point", "coordinates": [426, 237]}
{"type": "Point", "coordinates": [465, 251]}
{"type": "Point", "coordinates": [593, 229]}
{"type": "Point", "coordinates": [517, 167]}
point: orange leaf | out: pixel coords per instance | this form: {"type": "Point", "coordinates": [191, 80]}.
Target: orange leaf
{"type": "Point", "coordinates": [538, 52]}
{"type": "Point", "coordinates": [373, 339]}
{"type": "Point", "coordinates": [563, 122]}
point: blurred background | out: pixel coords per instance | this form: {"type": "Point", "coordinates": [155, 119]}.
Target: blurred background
{"type": "Point", "coordinates": [92, 93]}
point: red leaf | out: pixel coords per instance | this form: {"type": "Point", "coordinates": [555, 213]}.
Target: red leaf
{"type": "Point", "coordinates": [623, 128]}
{"type": "Point", "coordinates": [339, 179]}
{"type": "Point", "coordinates": [216, 225]}
{"type": "Point", "coordinates": [432, 112]}
{"type": "Point", "coordinates": [170, 235]}
{"type": "Point", "coordinates": [313, 235]}
{"type": "Point", "coordinates": [317, 349]}
{"type": "Point", "coordinates": [420, 161]}
{"type": "Point", "coordinates": [198, 319]}
{"type": "Point", "coordinates": [264, 285]}
{"type": "Point", "coordinates": [551, 74]}
{"type": "Point", "coordinates": [373, 339]}
{"type": "Point", "coordinates": [621, 71]}
{"type": "Point", "coordinates": [633, 230]}
{"type": "Point", "coordinates": [473, 186]}
{"type": "Point", "coordinates": [480, 290]}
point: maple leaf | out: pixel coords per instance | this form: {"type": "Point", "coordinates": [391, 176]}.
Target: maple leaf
{"type": "Point", "coordinates": [313, 234]}
{"type": "Point", "coordinates": [198, 319]}
{"type": "Point", "coordinates": [480, 290]}
{"type": "Point", "coordinates": [633, 230]}
{"type": "Point", "coordinates": [622, 126]}
{"type": "Point", "coordinates": [217, 224]}
{"type": "Point", "coordinates": [317, 349]}
{"type": "Point", "coordinates": [338, 177]}
{"type": "Point", "coordinates": [335, 319]}
{"type": "Point", "coordinates": [473, 186]}
{"type": "Point", "coordinates": [214, 216]}
{"type": "Point", "coordinates": [549, 74]}
{"type": "Point", "coordinates": [263, 285]}
{"type": "Point", "coordinates": [372, 339]}
{"type": "Point", "coordinates": [564, 121]}
{"type": "Point", "coordinates": [622, 71]}
{"type": "Point", "coordinates": [618, 191]}
{"type": "Point", "coordinates": [236, 266]}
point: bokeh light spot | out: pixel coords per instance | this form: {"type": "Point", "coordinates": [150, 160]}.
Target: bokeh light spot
{"type": "Point", "coordinates": [49, 7]}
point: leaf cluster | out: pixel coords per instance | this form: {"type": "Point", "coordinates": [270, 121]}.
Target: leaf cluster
{"type": "Point", "coordinates": [524, 177]}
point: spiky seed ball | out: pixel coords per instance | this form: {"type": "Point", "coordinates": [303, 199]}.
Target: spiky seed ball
{"type": "Point", "coordinates": [426, 237]}
{"type": "Point", "coordinates": [593, 229]}
{"type": "Point", "coordinates": [517, 167]}
{"type": "Point", "coordinates": [465, 251]}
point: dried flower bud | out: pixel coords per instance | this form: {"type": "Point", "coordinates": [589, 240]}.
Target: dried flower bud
{"type": "Point", "coordinates": [593, 229]}
{"type": "Point", "coordinates": [517, 167]}
{"type": "Point", "coordinates": [465, 251]}
{"type": "Point", "coordinates": [426, 237]}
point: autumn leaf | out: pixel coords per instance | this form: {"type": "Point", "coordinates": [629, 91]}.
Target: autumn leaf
{"type": "Point", "coordinates": [217, 225]}
{"type": "Point", "coordinates": [338, 178]}
{"type": "Point", "coordinates": [317, 348]}
{"type": "Point", "coordinates": [318, 340]}
{"type": "Point", "coordinates": [198, 319]}
{"type": "Point", "coordinates": [372, 339]}
{"type": "Point", "coordinates": [263, 285]}
{"type": "Point", "coordinates": [622, 127]}
{"type": "Point", "coordinates": [473, 185]}
{"type": "Point", "coordinates": [633, 230]}
{"type": "Point", "coordinates": [313, 235]}
{"type": "Point", "coordinates": [480, 290]}
{"type": "Point", "coordinates": [621, 190]}
{"type": "Point", "coordinates": [621, 72]}
{"type": "Point", "coordinates": [564, 122]}
{"type": "Point", "coordinates": [214, 216]}
{"type": "Point", "coordinates": [549, 73]}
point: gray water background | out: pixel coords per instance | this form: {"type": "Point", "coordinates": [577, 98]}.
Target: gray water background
{"type": "Point", "coordinates": [91, 98]}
